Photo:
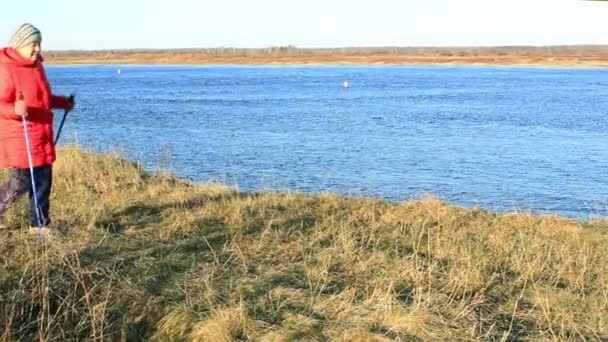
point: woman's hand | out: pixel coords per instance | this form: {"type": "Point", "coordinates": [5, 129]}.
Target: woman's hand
{"type": "Point", "coordinates": [21, 107]}
{"type": "Point", "coordinates": [70, 103]}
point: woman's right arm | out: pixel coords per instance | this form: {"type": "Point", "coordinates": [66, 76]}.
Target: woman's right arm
{"type": "Point", "coordinates": [7, 94]}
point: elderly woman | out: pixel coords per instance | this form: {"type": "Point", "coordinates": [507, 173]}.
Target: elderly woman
{"type": "Point", "coordinates": [25, 92]}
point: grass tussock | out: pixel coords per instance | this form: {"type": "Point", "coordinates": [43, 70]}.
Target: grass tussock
{"type": "Point", "coordinates": [138, 256]}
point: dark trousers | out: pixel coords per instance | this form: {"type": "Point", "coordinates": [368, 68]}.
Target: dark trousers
{"type": "Point", "coordinates": [20, 182]}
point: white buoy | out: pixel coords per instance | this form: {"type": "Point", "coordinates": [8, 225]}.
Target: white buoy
{"type": "Point", "coordinates": [346, 85]}
{"type": "Point", "coordinates": [118, 71]}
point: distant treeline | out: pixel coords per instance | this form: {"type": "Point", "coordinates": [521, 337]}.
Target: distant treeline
{"type": "Point", "coordinates": [566, 50]}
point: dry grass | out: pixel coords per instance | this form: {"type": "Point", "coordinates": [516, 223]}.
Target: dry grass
{"type": "Point", "coordinates": [146, 58]}
{"type": "Point", "coordinates": [576, 55]}
{"type": "Point", "coordinates": [138, 256]}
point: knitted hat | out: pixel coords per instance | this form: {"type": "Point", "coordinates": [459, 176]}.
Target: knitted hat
{"type": "Point", "coordinates": [25, 34]}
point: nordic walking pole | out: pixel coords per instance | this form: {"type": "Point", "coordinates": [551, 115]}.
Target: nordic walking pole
{"type": "Point", "coordinates": [32, 177]}
{"type": "Point", "coordinates": [65, 114]}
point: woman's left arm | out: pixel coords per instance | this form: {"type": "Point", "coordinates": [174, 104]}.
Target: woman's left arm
{"type": "Point", "coordinates": [57, 101]}
{"type": "Point", "coordinates": [62, 102]}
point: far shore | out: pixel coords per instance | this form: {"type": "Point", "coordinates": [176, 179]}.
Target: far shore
{"type": "Point", "coordinates": [586, 56]}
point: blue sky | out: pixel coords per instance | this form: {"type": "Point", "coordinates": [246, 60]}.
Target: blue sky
{"type": "Point", "coordinates": [82, 24]}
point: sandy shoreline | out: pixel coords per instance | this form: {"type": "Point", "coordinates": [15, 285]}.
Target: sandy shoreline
{"type": "Point", "coordinates": [191, 59]}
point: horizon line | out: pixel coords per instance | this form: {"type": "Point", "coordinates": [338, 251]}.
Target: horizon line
{"type": "Point", "coordinates": [293, 47]}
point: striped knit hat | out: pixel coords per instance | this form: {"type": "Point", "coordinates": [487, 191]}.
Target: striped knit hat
{"type": "Point", "coordinates": [25, 34]}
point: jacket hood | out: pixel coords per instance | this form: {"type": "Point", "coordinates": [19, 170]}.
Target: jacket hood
{"type": "Point", "coordinates": [9, 55]}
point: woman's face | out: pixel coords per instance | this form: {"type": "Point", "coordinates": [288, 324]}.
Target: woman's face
{"type": "Point", "coordinates": [30, 51]}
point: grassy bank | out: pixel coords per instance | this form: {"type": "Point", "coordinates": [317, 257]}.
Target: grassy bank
{"type": "Point", "coordinates": [571, 56]}
{"type": "Point", "coordinates": [138, 256]}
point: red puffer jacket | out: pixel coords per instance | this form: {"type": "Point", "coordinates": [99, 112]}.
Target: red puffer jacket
{"type": "Point", "coordinates": [21, 75]}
